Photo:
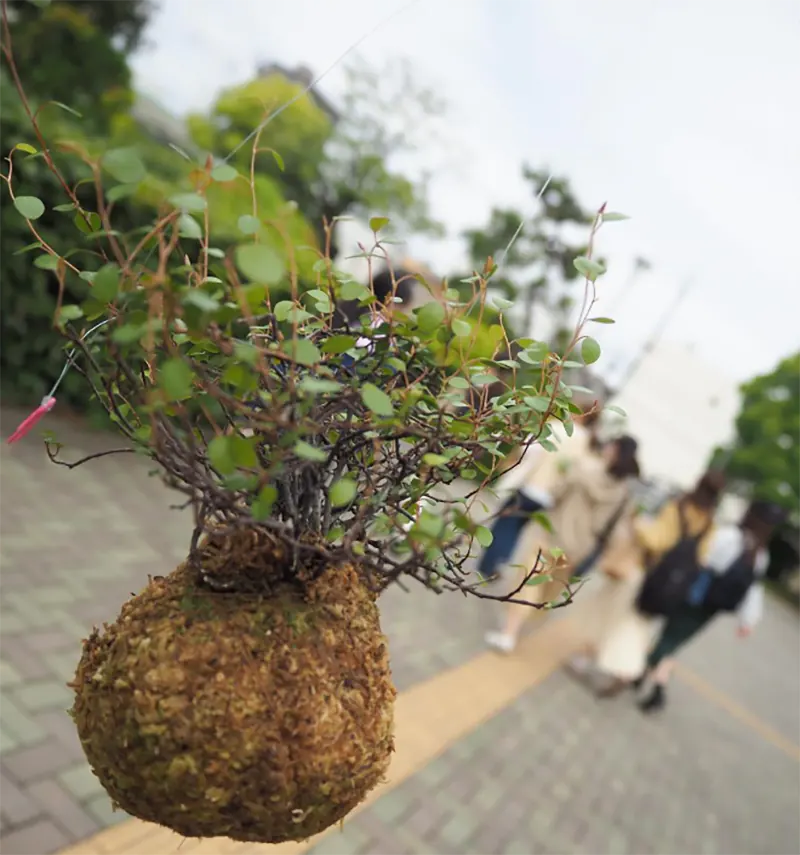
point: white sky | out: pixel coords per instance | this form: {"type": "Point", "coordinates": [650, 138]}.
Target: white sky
{"type": "Point", "coordinates": [677, 114]}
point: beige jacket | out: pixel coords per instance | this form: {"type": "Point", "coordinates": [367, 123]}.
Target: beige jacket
{"type": "Point", "coordinates": [585, 502]}
{"type": "Point", "coordinates": [541, 471]}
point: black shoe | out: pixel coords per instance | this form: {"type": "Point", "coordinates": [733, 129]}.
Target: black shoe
{"type": "Point", "coordinates": [638, 682]}
{"type": "Point", "coordinates": [655, 701]}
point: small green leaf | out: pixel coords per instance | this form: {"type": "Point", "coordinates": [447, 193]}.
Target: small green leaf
{"type": "Point", "coordinates": [23, 146]}
{"type": "Point", "coordinates": [69, 206]}
{"type": "Point", "coordinates": [377, 400]}
{"type": "Point", "coordinates": [200, 300]}
{"type": "Point", "coordinates": [435, 460]}
{"type": "Point", "coordinates": [279, 161]}
{"type": "Point", "coordinates": [105, 284]}
{"type": "Point", "coordinates": [603, 320]}
{"type": "Point", "coordinates": [309, 452]}
{"type": "Point", "coordinates": [613, 216]}
{"type": "Point", "coordinates": [303, 351]}
{"type": "Point", "coordinates": [259, 263]}
{"type": "Point", "coordinates": [338, 344]}
{"type": "Point", "coordinates": [262, 506]}
{"type": "Point", "coordinates": [501, 304]}
{"type": "Point", "coordinates": [220, 456]}
{"type": "Point", "coordinates": [354, 291]}
{"type": "Point", "coordinates": [483, 379]}
{"type": "Point", "coordinates": [590, 350]}
{"type": "Point", "coordinates": [316, 385]}
{"type": "Point", "coordinates": [378, 223]}
{"type": "Point", "coordinates": [461, 329]}
{"type": "Point", "coordinates": [193, 202]}
{"type": "Point", "coordinates": [484, 536]}
{"type": "Point", "coordinates": [459, 382]}
{"type": "Point", "coordinates": [46, 261]}
{"type": "Point", "coordinates": [539, 579]}
{"type": "Point", "coordinates": [224, 172]}
{"type": "Point", "coordinates": [243, 452]}
{"type": "Point", "coordinates": [125, 165]}
{"type": "Point", "coordinates": [60, 104]}
{"type": "Point", "coordinates": [246, 352]}
{"type": "Point", "coordinates": [613, 408]}
{"type": "Point", "coordinates": [87, 222]}
{"type": "Point", "coordinates": [249, 225]}
{"type": "Point", "coordinates": [342, 492]}
{"type": "Point", "coordinates": [69, 313]}
{"type": "Point", "coordinates": [29, 206]}
{"type": "Point", "coordinates": [188, 227]}
{"type": "Point", "coordinates": [175, 378]}
{"type": "Point", "coordinates": [588, 267]}
{"type": "Point", "coordinates": [430, 316]}
{"type": "Point", "coordinates": [540, 403]}
{"type": "Point", "coordinates": [128, 333]}
{"type": "Point", "coordinates": [121, 191]}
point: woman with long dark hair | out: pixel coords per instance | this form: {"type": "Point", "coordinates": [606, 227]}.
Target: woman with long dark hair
{"type": "Point", "coordinates": [618, 635]}
{"type": "Point", "coordinates": [594, 492]}
{"type": "Point", "coordinates": [736, 560]}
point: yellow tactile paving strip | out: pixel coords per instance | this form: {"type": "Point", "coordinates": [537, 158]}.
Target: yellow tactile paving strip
{"type": "Point", "coordinates": [429, 718]}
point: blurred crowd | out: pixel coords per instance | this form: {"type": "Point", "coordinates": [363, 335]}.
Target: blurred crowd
{"type": "Point", "coordinates": [662, 577]}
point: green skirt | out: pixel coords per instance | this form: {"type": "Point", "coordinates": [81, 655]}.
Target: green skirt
{"type": "Point", "coordinates": [679, 628]}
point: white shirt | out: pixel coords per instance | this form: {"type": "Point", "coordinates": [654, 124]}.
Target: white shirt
{"type": "Point", "coordinates": [726, 544]}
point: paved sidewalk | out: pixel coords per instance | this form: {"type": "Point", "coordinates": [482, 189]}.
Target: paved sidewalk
{"type": "Point", "coordinates": [74, 544]}
{"type": "Point", "coordinates": [554, 772]}
{"type": "Point", "coordinates": [557, 772]}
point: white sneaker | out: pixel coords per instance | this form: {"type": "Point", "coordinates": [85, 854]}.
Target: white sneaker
{"type": "Point", "coordinates": [501, 641]}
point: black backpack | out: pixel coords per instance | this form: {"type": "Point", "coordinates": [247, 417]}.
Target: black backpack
{"type": "Point", "coordinates": [667, 583]}
{"type": "Point", "coordinates": [728, 590]}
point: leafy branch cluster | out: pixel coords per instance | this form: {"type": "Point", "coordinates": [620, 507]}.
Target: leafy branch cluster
{"type": "Point", "coordinates": [333, 442]}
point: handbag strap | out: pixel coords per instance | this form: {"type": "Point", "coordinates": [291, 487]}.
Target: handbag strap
{"type": "Point", "coordinates": [609, 527]}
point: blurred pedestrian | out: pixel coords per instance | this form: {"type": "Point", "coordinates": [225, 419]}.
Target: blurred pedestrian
{"type": "Point", "coordinates": [531, 483]}
{"type": "Point", "coordinates": [595, 491]}
{"type": "Point", "coordinates": [729, 582]}
{"type": "Point", "coordinates": [618, 633]}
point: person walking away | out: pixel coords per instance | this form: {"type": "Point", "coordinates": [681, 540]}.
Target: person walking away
{"type": "Point", "coordinates": [589, 495]}
{"type": "Point", "coordinates": [531, 483]}
{"type": "Point", "coordinates": [730, 581]}
{"type": "Point", "coordinates": [618, 634]}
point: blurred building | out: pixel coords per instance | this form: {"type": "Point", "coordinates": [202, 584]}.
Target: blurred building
{"type": "Point", "coordinates": [679, 408]}
{"type": "Point", "coordinates": [303, 76]}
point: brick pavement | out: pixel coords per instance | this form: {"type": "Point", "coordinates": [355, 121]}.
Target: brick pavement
{"type": "Point", "coordinates": [73, 546]}
{"type": "Point", "coordinates": [553, 773]}
{"type": "Point", "coordinates": [558, 772]}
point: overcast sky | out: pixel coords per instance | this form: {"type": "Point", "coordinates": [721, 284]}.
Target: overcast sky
{"type": "Point", "coordinates": [677, 114]}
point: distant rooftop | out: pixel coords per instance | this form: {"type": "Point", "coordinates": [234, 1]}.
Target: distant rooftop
{"type": "Point", "coordinates": [303, 76]}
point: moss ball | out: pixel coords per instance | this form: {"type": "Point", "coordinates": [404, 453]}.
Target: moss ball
{"type": "Point", "coordinates": [261, 718]}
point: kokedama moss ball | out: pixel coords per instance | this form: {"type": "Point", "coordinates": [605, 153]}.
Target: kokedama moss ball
{"type": "Point", "coordinates": [258, 716]}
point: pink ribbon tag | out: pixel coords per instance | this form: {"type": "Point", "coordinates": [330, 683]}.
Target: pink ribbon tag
{"type": "Point", "coordinates": [47, 404]}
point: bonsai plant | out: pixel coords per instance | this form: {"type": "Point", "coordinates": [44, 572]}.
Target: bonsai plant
{"type": "Point", "coordinates": [248, 693]}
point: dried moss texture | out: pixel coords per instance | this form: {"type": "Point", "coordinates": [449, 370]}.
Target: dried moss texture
{"type": "Point", "coordinates": [257, 717]}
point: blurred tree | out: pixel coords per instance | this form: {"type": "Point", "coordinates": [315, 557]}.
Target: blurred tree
{"type": "Point", "coordinates": [32, 354]}
{"type": "Point", "coordinates": [541, 257]}
{"type": "Point", "coordinates": [765, 456]}
{"type": "Point", "coordinates": [122, 21]}
{"type": "Point", "coordinates": [331, 162]}
{"type": "Point", "coordinates": [75, 52]}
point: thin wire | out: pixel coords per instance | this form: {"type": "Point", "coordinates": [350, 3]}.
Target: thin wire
{"type": "Point", "coordinates": [324, 74]}
{"type": "Point", "coordinates": [72, 357]}
{"type": "Point", "coordinates": [502, 256]}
